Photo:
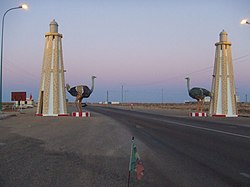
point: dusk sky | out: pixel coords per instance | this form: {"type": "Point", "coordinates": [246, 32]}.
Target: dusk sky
{"type": "Point", "coordinates": [148, 46]}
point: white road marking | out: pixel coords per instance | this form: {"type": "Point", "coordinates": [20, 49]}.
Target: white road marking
{"type": "Point", "coordinates": [212, 130]}
{"type": "Point", "coordinates": [138, 127]}
{"type": "Point", "coordinates": [245, 175]}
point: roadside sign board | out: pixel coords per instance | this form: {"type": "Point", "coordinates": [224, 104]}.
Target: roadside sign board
{"type": "Point", "coordinates": [18, 96]}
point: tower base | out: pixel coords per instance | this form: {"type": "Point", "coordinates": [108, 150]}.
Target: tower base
{"type": "Point", "coordinates": [52, 115]}
{"type": "Point", "coordinates": [198, 114]}
{"type": "Point", "coordinates": [80, 114]}
{"type": "Point", "coordinates": [224, 115]}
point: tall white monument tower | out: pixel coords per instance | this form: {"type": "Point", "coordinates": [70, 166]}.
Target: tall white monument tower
{"type": "Point", "coordinates": [223, 101]}
{"type": "Point", "coordinates": [52, 97]}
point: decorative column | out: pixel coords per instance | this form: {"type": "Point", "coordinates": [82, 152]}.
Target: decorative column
{"type": "Point", "coordinates": [52, 96]}
{"type": "Point", "coordinates": [223, 101]}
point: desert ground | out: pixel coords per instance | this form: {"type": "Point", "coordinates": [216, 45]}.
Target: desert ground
{"type": "Point", "coordinates": [243, 107]}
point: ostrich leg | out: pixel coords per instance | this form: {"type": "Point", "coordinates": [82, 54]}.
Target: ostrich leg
{"type": "Point", "coordinates": [80, 105]}
{"type": "Point", "coordinates": [76, 105]}
{"type": "Point", "coordinates": [198, 105]}
{"type": "Point", "coordinates": [202, 106]}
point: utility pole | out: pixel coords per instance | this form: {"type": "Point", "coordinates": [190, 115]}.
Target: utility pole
{"type": "Point", "coordinates": [122, 93]}
{"type": "Point", "coordinates": [107, 97]}
{"type": "Point", "coordinates": [162, 96]}
{"type": "Point", "coordinates": [126, 91]}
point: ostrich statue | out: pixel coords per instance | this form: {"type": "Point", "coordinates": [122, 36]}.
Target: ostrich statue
{"type": "Point", "coordinates": [80, 92]}
{"type": "Point", "coordinates": [199, 94]}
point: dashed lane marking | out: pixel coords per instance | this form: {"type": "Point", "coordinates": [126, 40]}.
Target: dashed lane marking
{"type": "Point", "coordinates": [245, 175]}
{"type": "Point", "coordinates": [208, 129]}
{"type": "Point", "coordinates": [138, 127]}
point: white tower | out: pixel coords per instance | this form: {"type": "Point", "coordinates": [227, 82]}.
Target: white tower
{"type": "Point", "coordinates": [223, 101]}
{"type": "Point", "coordinates": [52, 97]}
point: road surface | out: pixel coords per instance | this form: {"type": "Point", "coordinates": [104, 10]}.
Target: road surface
{"type": "Point", "coordinates": [191, 151]}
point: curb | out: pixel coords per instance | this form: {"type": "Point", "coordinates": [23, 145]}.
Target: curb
{"type": "Point", "coordinates": [80, 114]}
{"type": "Point", "coordinates": [245, 116]}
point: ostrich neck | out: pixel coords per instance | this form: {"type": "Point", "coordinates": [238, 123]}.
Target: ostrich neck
{"type": "Point", "coordinates": [188, 85]}
{"type": "Point", "coordinates": [92, 85]}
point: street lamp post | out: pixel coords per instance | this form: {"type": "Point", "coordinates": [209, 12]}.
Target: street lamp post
{"type": "Point", "coordinates": [24, 6]}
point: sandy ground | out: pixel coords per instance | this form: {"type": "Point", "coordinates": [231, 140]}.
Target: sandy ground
{"type": "Point", "coordinates": [178, 108]}
{"type": "Point", "coordinates": [64, 151]}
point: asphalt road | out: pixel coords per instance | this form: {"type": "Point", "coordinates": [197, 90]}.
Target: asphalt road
{"type": "Point", "coordinates": [186, 151]}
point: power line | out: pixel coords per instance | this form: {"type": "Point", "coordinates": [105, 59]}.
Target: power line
{"type": "Point", "coordinates": [237, 60]}
{"type": "Point", "coordinates": [21, 70]}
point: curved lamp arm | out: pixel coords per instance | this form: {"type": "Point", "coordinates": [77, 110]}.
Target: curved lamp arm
{"type": "Point", "coordinates": [23, 6]}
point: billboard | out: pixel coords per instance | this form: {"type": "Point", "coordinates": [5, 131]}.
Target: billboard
{"type": "Point", "coordinates": [18, 96]}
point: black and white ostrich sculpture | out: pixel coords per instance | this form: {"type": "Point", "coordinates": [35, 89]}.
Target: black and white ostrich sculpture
{"type": "Point", "coordinates": [199, 94]}
{"type": "Point", "coordinates": [80, 92]}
